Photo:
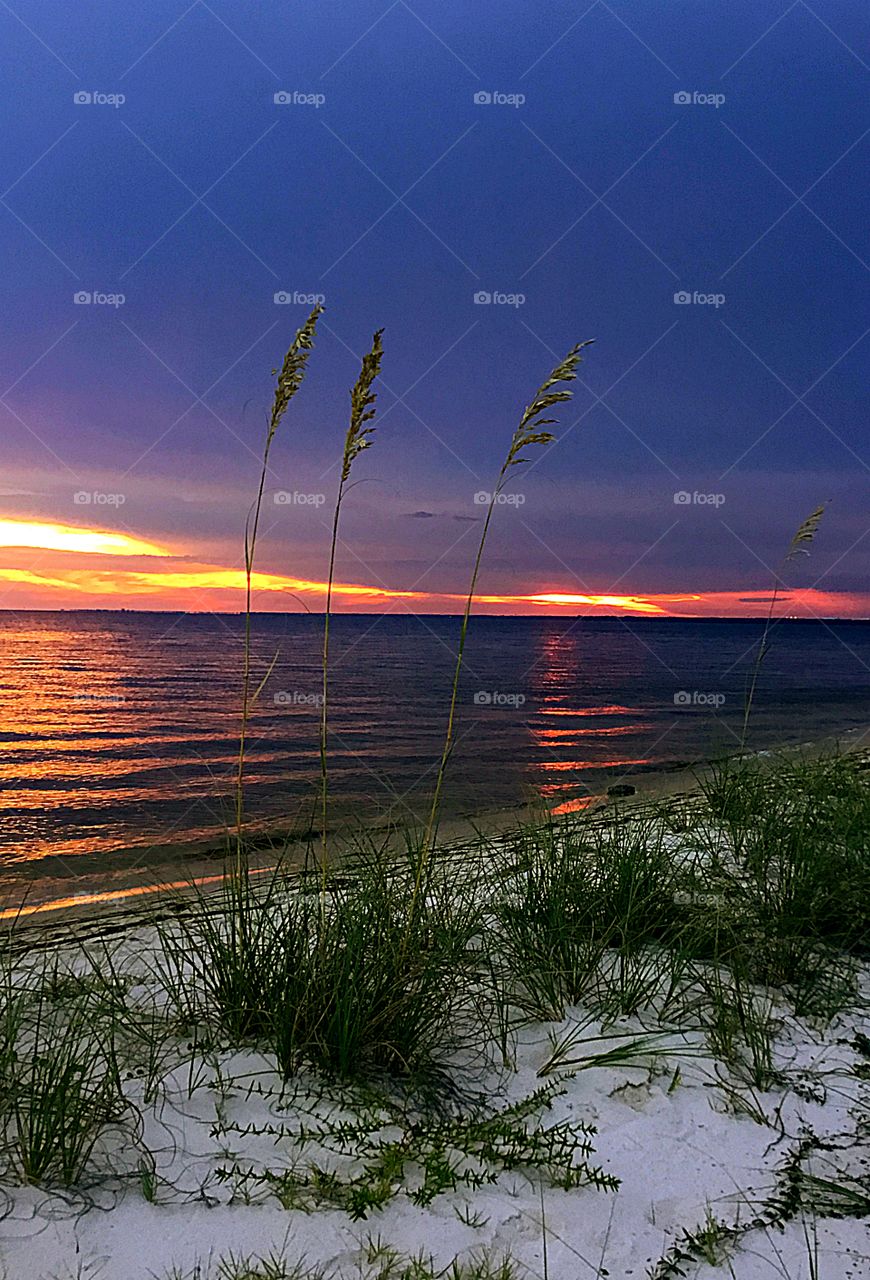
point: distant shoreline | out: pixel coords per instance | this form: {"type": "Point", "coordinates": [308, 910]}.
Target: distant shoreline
{"type": "Point", "coordinates": [540, 616]}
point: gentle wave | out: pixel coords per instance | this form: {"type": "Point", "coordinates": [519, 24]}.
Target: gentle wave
{"type": "Point", "coordinates": [120, 730]}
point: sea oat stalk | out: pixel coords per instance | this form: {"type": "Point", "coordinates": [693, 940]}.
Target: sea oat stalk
{"type": "Point", "coordinates": [528, 433]}
{"type": "Point", "coordinates": [799, 546]}
{"type": "Point", "coordinates": [358, 437]}
{"type": "Point", "coordinates": [289, 380]}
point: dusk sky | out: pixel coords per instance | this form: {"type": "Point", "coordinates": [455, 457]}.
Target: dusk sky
{"type": "Point", "coordinates": [586, 166]}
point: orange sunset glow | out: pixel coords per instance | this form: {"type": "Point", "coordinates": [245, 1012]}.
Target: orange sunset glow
{"type": "Point", "coordinates": [81, 567]}
{"type": "Point", "coordinates": [65, 537]}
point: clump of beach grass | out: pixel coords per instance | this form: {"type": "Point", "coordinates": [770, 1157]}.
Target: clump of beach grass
{"type": "Point", "coordinates": [60, 1080]}
{"type": "Point", "coordinates": [760, 906]}
{"type": "Point", "coordinates": [794, 899]}
{"type": "Point", "coordinates": [372, 997]}
{"type": "Point", "coordinates": [588, 913]}
{"type": "Point", "coordinates": [224, 963]}
{"type": "Point", "coordinates": [332, 981]}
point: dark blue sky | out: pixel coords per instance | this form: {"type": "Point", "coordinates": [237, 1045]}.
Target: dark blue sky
{"type": "Point", "coordinates": [399, 198]}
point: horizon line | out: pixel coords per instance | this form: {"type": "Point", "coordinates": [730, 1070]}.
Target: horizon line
{"type": "Point", "coordinates": [530, 617]}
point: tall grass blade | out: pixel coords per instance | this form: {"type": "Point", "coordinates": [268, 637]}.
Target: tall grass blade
{"type": "Point", "coordinates": [528, 433]}
{"type": "Point", "coordinates": [799, 545]}
{"type": "Point", "coordinates": [289, 380]}
{"type": "Point", "coordinates": [358, 437]}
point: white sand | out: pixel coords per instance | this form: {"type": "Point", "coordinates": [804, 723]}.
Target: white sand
{"type": "Point", "coordinates": [679, 1153]}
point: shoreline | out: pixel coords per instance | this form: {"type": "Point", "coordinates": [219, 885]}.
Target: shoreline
{"type": "Point", "coordinates": [198, 864]}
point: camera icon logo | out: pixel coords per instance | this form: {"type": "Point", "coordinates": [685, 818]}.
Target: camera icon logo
{"type": "Point", "coordinates": [282, 298]}
{"type": "Point", "coordinates": [281, 98]}
{"type": "Point", "coordinates": [682, 98]}
{"type": "Point", "coordinates": [482, 498]}
{"type": "Point", "coordinates": [282, 498]}
{"type": "Point", "coordinates": [682, 498]}
{"type": "Point", "coordinates": [483, 698]}
{"type": "Point", "coordinates": [482, 298]}
{"type": "Point", "coordinates": [682, 698]}
{"type": "Point", "coordinates": [82, 298]}
{"type": "Point", "coordinates": [82, 499]}
{"type": "Point", "coordinates": [81, 98]}
{"type": "Point", "coordinates": [682, 297]}
{"type": "Point", "coordinates": [482, 98]}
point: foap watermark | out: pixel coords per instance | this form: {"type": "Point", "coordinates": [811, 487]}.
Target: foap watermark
{"type": "Point", "coordinates": [284, 498]}
{"type": "Point", "coordinates": [297, 698]}
{"type": "Point", "coordinates": [698, 698]}
{"type": "Point", "coordinates": [286, 298]}
{"type": "Point", "coordinates": [682, 498]}
{"type": "Point", "coordinates": [93, 98]}
{"type": "Point", "coordinates": [687, 98]}
{"type": "Point", "coordinates": [683, 298]}
{"type": "Point", "coordinates": [94, 298]}
{"type": "Point", "coordinates": [494, 98]}
{"type": "Point", "coordinates": [95, 498]}
{"type": "Point", "coordinates": [494, 298]}
{"type": "Point", "coordinates": [495, 698]}
{"type": "Point", "coordinates": [107, 901]}
{"type": "Point", "coordinates": [484, 499]}
{"type": "Point", "coordinates": [94, 699]}
{"type": "Point", "coordinates": [296, 98]}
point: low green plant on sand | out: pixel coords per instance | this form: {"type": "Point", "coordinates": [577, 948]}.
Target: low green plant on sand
{"type": "Point", "coordinates": [60, 1084]}
{"type": "Point", "coordinates": [392, 1150]}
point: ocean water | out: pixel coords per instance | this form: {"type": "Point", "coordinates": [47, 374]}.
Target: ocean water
{"type": "Point", "coordinates": [120, 730]}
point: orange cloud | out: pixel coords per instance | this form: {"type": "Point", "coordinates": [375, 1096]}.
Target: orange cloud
{"type": "Point", "coordinates": [112, 582]}
{"type": "Point", "coordinates": [68, 537]}
{"type": "Point", "coordinates": [638, 603]}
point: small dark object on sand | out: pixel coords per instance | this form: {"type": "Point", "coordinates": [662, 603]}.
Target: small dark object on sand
{"type": "Point", "coordinates": [622, 789]}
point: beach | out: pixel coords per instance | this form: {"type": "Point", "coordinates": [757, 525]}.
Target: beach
{"type": "Point", "coordinates": [629, 1133]}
